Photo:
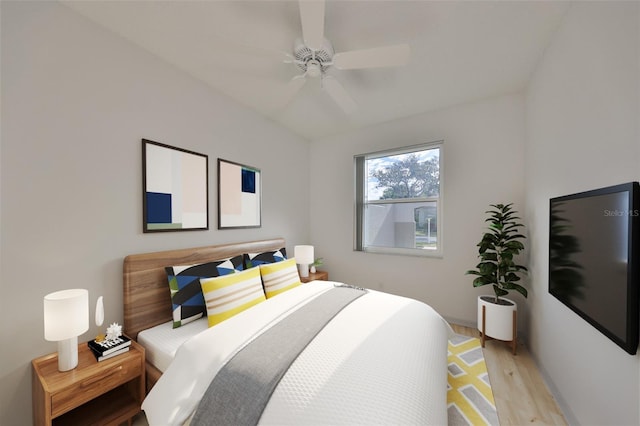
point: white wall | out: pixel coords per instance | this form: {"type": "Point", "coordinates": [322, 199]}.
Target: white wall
{"type": "Point", "coordinates": [483, 164]}
{"type": "Point", "coordinates": [76, 102]}
{"type": "Point", "coordinates": [582, 111]}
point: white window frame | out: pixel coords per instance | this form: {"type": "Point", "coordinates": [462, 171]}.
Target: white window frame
{"type": "Point", "coordinates": [361, 181]}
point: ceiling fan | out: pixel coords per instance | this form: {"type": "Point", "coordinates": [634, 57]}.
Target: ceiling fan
{"type": "Point", "coordinates": [313, 54]}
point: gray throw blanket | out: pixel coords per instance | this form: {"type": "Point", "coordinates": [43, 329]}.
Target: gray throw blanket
{"type": "Point", "coordinates": [241, 390]}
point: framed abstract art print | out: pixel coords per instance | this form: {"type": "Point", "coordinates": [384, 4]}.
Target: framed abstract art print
{"type": "Point", "coordinates": [175, 188]}
{"type": "Point", "coordinates": [239, 195]}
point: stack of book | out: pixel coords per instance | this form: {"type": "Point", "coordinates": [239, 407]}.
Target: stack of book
{"type": "Point", "coordinates": [109, 348]}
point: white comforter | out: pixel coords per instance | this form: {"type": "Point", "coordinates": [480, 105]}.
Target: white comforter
{"type": "Point", "coordinates": [389, 366]}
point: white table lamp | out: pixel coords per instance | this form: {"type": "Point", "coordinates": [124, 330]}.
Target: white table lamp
{"type": "Point", "coordinates": [304, 258]}
{"type": "Point", "coordinates": [66, 316]}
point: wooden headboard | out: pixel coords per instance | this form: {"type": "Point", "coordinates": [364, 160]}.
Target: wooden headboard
{"type": "Point", "coordinates": [147, 302]}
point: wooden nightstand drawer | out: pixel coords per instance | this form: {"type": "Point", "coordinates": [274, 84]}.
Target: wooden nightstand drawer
{"type": "Point", "coordinates": [110, 377]}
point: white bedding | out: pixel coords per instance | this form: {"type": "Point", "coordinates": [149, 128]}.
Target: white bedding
{"type": "Point", "coordinates": [162, 341]}
{"type": "Point", "coordinates": [382, 360]}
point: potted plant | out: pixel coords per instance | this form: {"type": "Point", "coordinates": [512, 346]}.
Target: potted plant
{"type": "Point", "coordinates": [317, 262]}
{"type": "Point", "coordinates": [497, 316]}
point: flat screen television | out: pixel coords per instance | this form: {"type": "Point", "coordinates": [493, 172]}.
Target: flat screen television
{"type": "Point", "coordinates": [593, 258]}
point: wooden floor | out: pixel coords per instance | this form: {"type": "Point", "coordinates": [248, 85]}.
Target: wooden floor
{"type": "Point", "coordinates": [518, 388]}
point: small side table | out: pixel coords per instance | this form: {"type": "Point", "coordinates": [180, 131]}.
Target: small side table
{"type": "Point", "coordinates": [318, 275]}
{"type": "Point", "coordinates": [98, 393]}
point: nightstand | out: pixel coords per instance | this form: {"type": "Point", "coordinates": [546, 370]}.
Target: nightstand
{"type": "Point", "coordinates": [318, 275]}
{"type": "Point", "coordinates": [109, 392]}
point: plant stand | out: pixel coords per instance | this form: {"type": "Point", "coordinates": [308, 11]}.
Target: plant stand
{"type": "Point", "coordinates": [498, 322]}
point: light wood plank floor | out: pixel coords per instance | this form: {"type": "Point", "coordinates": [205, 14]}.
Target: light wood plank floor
{"type": "Point", "coordinates": [520, 393]}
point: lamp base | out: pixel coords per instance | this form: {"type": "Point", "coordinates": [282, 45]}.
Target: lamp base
{"type": "Point", "coordinates": [304, 270]}
{"type": "Point", "coordinates": [68, 354]}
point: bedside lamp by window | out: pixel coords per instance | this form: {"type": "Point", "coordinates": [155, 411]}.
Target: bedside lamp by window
{"type": "Point", "coordinates": [66, 316]}
{"type": "Point", "coordinates": [304, 258]}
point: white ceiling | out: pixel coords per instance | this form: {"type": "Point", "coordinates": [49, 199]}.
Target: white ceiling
{"type": "Point", "coordinates": [460, 51]}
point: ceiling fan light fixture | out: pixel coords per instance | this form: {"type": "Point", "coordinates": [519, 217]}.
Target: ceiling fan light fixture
{"type": "Point", "coordinates": [314, 68]}
{"type": "Point", "coordinates": [304, 55]}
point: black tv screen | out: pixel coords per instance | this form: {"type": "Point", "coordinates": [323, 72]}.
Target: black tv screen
{"type": "Point", "coordinates": [593, 242]}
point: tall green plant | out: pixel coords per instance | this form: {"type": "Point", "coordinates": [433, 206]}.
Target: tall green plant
{"type": "Point", "coordinates": [496, 251]}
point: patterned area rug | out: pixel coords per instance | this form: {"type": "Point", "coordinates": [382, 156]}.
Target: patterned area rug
{"type": "Point", "coordinates": [469, 396]}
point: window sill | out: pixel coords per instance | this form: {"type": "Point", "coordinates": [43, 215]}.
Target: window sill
{"type": "Point", "coordinates": [404, 251]}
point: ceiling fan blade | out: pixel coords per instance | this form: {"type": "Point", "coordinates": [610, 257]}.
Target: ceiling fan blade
{"type": "Point", "coordinates": [312, 20]}
{"type": "Point", "coordinates": [291, 89]}
{"type": "Point", "coordinates": [333, 87]}
{"type": "Point", "coordinates": [377, 57]}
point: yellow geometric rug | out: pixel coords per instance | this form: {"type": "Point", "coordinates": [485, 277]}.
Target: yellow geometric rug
{"type": "Point", "coordinates": [469, 396]}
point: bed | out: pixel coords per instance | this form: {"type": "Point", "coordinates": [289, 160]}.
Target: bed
{"type": "Point", "coordinates": [356, 356]}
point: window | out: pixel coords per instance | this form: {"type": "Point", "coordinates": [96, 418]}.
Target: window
{"type": "Point", "coordinates": [399, 201]}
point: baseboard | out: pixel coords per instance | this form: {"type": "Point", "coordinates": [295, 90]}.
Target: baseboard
{"type": "Point", "coordinates": [555, 392]}
{"type": "Point", "coordinates": [522, 336]}
{"type": "Point", "coordinates": [460, 322]}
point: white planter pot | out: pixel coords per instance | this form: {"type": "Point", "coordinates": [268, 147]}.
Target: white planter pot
{"type": "Point", "coordinates": [499, 318]}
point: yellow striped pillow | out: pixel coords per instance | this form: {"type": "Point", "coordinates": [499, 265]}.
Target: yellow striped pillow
{"type": "Point", "coordinates": [280, 276]}
{"type": "Point", "coordinates": [228, 295]}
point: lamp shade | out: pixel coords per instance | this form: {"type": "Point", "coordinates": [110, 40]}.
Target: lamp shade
{"type": "Point", "coordinates": [303, 254]}
{"type": "Point", "coordinates": [66, 314]}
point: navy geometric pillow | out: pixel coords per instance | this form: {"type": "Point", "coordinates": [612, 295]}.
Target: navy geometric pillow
{"type": "Point", "coordinates": [186, 292]}
{"type": "Point", "coordinates": [255, 259]}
